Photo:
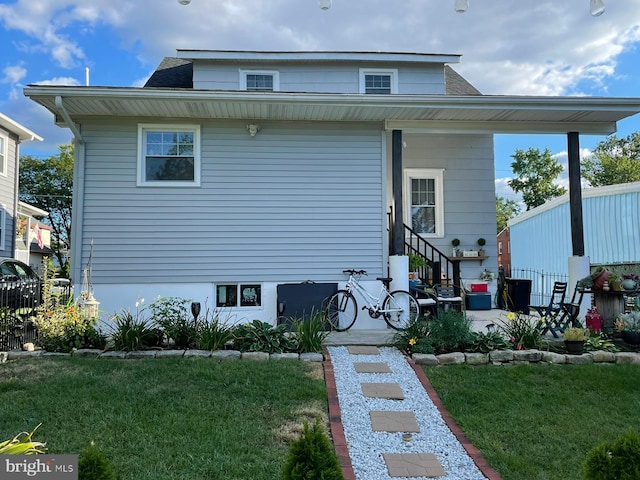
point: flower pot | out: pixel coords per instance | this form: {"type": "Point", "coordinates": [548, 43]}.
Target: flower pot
{"type": "Point", "coordinates": [632, 338]}
{"type": "Point", "coordinates": [629, 284]}
{"type": "Point", "coordinates": [574, 347]}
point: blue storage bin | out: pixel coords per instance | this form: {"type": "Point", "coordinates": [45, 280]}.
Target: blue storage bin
{"type": "Point", "coordinates": [478, 301]}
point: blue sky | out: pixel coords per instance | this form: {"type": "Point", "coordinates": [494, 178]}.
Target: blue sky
{"type": "Point", "coordinates": [516, 47]}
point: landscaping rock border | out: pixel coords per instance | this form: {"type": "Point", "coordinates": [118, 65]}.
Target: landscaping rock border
{"type": "Point", "coordinates": [524, 357]}
{"type": "Point", "coordinates": [138, 354]}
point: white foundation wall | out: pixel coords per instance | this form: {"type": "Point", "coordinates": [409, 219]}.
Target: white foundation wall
{"type": "Point", "coordinates": [116, 298]}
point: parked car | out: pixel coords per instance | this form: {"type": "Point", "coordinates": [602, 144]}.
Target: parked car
{"type": "Point", "coordinates": [20, 286]}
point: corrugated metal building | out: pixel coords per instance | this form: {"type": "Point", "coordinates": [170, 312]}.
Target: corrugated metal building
{"type": "Point", "coordinates": [541, 237]}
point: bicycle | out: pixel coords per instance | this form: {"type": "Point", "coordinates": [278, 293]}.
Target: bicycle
{"type": "Point", "coordinates": [398, 308]}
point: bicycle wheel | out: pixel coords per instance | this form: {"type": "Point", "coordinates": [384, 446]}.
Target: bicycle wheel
{"type": "Point", "coordinates": [342, 310]}
{"type": "Point", "coordinates": [405, 309]}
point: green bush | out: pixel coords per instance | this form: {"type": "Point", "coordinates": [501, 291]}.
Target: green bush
{"type": "Point", "coordinates": [93, 465]}
{"type": "Point", "coordinates": [131, 332]}
{"type": "Point", "coordinates": [521, 332]}
{"type": "Point", "coordinates": [213, 332]}
{"type": "Point", "coordinates": [260, 336]}
{"type": "Point", "coordinates": [617, 460]}
{"type": "Point", "coordinates": [450, 331]}
{"type": "Point", "coordinates": [312, 457]}
{"type": "Point", "coordinates": [481, 342]}
{"type": "Point", "coordinates": [415, 338]}
{"type": "Point", "coordinates": [311, 332]}
{"type": "Point", "coordinates": [170, 313]}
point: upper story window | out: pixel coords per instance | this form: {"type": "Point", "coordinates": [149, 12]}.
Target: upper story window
{"type": "Point", "coordinates": [3, 155]}
{"type": "Point", "coordinates": [378, 82]}
{"type": "Point", "coordinates": [169, 155]}
{"type": "Point", "coordinates": [424, 201]}
{"type": "Point", "coordinates": [259, 80]}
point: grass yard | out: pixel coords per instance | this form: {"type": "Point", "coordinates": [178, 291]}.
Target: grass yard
{"type": "Point", "coordinates": [166, 418]}
{"type": "Point", "coordinates": [538, 422]}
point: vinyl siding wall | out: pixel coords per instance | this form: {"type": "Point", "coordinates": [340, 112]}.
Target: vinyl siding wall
{"type": "Point", "coordinates": [296, 202]}
{"type": "Point", "coordinates": [611, 231]}
{"type": "Point", "coordinates": [7, 197]}
{"type": "Point", "coordinates": [328, 78]}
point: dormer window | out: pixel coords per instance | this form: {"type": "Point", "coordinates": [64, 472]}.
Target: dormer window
{"type": "Point", "coordinates": [378, 82]}
{"type": "Point", "coordinates": [259, 80]}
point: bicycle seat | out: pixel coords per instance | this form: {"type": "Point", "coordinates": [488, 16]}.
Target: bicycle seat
{"type": "Point", "coordinates": [385, 280]}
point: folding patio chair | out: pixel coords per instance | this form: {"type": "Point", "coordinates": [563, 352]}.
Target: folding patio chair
{"type": "Point", "coordinates": [571, 310]}
{"type": "Point", "coordinates": [551, 313]}
{"type": "Point", "coordinates": [426, 299]}
{"type": "Point", "coordinates": [448, 297]}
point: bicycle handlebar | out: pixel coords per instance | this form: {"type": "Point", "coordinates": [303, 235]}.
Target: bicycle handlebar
{"type": "Point", "coordinates": [355, 272]}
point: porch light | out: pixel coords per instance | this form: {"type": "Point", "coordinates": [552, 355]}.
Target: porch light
{"type": "Point", "coordinates": [184, 2]}
{"type": "Point", "coordinates": [461, 6]}
{"type": "Point", "coordinates": [324, 4]}
{"type": "Point", "coordinates": [597, 7]}
{"type": "Point", "coordinates": [252, 128]}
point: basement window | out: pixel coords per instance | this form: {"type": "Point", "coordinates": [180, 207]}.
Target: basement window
{"type": "Point", "coordinates": [238, 295]}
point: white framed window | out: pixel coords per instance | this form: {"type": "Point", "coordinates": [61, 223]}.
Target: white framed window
{"type": "Point", "coordinates": [168, 155]}
{"type": "Point", "coordinates": [260, 80]}
{"type": "Point", "coordinates": [499, 248]}
{"type": "Point", "coordinates": [424, 201]}
{"type": "Point", "coordinates": [378, 82]}
{"type": "Point", "coordinates": [3, 224]}
{"type": "Point", "coordinates": [3, 155]}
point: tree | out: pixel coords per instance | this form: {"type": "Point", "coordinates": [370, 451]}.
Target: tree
{"type": "Point", "coordinates": [536, 173]}
{"type": "Point", "coordinates": [48, 184]}
{"type": "Point", "coordinates": [615, 160]}
{"type": "Point", "coordinates": [505, 211]}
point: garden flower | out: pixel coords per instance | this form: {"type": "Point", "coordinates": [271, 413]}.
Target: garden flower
{"type": "Point", "coordinates": [412, 342]}
{"type": "Point", "coordinates": [511, 316]}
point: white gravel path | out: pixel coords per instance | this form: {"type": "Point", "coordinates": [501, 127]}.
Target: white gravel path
{"type": "Point", "coordinates": [366, 446]}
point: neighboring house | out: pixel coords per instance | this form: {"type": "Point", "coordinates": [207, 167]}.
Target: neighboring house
{"type": "Point", "coordinates": [541, 237]}
{"type": "Point", "coordinates": [33, 238]}
{"type": "Point", "coordinates": [504, 251]}
{"type": "Point", "coordinates": [12, 134]}
{"type": "Point", "coordinates": [231, 173]}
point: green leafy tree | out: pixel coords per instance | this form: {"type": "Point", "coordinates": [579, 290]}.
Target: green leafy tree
{"type": "Point", "coordinates": [505, 211]}
{"type": "Point", "coordinates": [47, 183]}
{"type": "Point", "coordinates": [615, 160]}
{"type": "Point", "coordinates": [535, 173]}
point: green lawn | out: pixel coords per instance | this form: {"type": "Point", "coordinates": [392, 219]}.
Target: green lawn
{"type": "Point", "coordinates": [538, 422]}
{"type": "Point", "coordinates": [165, 418]}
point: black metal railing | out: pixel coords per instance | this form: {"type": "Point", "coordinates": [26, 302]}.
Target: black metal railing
{"type": "Point", "coordinates": [439, 267]}
{"type": "Point", "coordinates": [541, 283]}
{"type": "Point", "coordinates": [19, 299]}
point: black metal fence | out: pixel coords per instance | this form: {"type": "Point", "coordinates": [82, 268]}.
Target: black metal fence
{"type": "Point", "coordinates": [541, 283]}
{"type": "Point", "coordinates": [18, 302]}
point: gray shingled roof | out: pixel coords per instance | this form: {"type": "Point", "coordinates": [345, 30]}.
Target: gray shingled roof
{"type": "Point", "coordinates": [178, 73]}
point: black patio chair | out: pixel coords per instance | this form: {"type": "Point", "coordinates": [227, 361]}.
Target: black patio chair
{"type": "Point", "coordinates": [426, 298]}
{"type": "Point", "coordinates": [550, 314]}
{"type": "Point", "coordinates": [571, 310]}
{"type": "Point", "coordinates": [449, 296]}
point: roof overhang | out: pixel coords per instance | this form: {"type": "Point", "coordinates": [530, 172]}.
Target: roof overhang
{"type": "Point", "coordinates": [23, 133]}
{"type": "Point", "coordinates": [411, 113]}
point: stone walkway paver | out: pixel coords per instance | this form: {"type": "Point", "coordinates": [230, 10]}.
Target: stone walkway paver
{"type": "Point", "coordinates": [384, 421]}
{"type": "Point", "coordinates": [391, 391]}
{"type": "Point", "coordinates": [372, 367]}
{"type": "Point", "coordinates": [413, 465]}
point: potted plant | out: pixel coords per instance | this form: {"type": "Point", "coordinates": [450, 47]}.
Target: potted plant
{"type": "Point", "coordinates": [574, 339]}
{"type": "Point", "coordinates": [628, 324]}
{"type": "Point", "coordinates": [416, 262]}
{"type": "Point", "coordinates": [615, 282]}
{"type": "Point", "coordinates": [456, 243]}
{"type": "Point", "coordinates": [486, 275]}
{"type": "Point", "coordinates": [481, 243]}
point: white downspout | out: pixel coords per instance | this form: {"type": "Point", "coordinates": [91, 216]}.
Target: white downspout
{"type": "Point", "coordinates": [77, 210]}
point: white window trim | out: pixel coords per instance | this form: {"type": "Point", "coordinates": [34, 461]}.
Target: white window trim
{"type": "Point", "coordinates": [436, 174]}
{"type": "Point", "coordinates": [4, 148]}
{"type": "Point", "coordinates": [142, 127]}
{"type": "Point", "coordinates": [274, 73]}
{"type": "Point", "coordinates": [379, 71]}
{"type": "Point", "coordinates": [3, 225]}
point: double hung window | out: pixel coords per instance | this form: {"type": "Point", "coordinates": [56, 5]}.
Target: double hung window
{"type": "Point", "coordinates": [424, 204]}
{"type": "Point", "coordinates": [378, 82]}
{"type": "Point", "coordinates": [169, 155]}
{"type": "Point", "coordinates": [259, 80]}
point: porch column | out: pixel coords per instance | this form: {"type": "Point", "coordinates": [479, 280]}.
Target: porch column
{"type": "Point", "coordinates": [575, 194]}
{"type": "Point", "coordinates": [397, 240]}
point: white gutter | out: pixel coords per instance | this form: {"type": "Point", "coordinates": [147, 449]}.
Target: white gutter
{"type": "Point", "coordinates": [77, 206]}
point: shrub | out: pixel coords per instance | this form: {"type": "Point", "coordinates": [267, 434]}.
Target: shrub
{"type": "Point", "coordinates": [93, 465]}
{"type": "Point", "coordinates": [22, 444]}
{"type": "Point", "coordinates": [617, 460]}
{"type": "Point", "coordinates": [131, 332]}
{"type": "Point", "coordinates": [213, 333]}
{"type": "Point", "coordinates": [521, 331]}
{"type": "Point", "coordinates": [481, 342]}
{"type": "Point", "coordinates": [170, 313]}
{"type": "Point", "coordinates": [311, 332]}
{"type": "Point", "coordinates": [312, 457]}
{"type": "Point", "coordinates": [260, 336]}
{"type": "Point", "coordinates": [415, 338]}
{"type": "Point", "coordinates": [450, 331]}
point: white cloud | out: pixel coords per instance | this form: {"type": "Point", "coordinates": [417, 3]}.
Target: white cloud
{"type": "Point", "coordinates": [13, 74]}
{"type": "Point", "coordinates": [69, 81]}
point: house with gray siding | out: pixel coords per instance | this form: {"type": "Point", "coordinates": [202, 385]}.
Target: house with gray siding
{"type": "Point", "coordinates": [12, 134]}
{"type": "Point", "coordinates": [541, 237]}
{"type": "Point", "coordinates": [231, 174]}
